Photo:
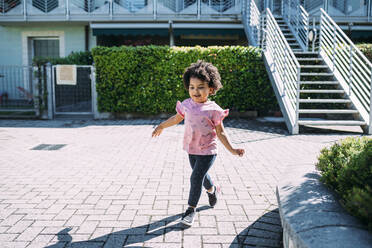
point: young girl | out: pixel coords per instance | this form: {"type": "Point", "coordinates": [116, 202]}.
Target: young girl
{"type": "Point", "coordinates": [203, 123]}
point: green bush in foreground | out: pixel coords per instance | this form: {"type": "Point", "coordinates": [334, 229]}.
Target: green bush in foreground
{"type": "Point", "coordinates": [346, 167]}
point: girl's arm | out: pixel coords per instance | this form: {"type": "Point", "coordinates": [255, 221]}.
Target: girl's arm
{"type": "Point", "coordinates": [221, 134]}
{"type": "Point", "coordinates": [174, 120]}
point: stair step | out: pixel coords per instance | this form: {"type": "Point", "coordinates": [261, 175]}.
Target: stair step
{"type": "Point", "coordinates": [319, 82]}
{"type": "Point", "coordinates": [309, 59]}
{"type": "Point", "coordinates": [323, 91]}
{"type": "Point", "coordinates": [316, 74]}
{"type": "Point", "coordinates": [315, 66]}
{"type": "Point", "coordinates": [306, 53]}
{"type": "Point", "coordinates": [328, 111]}
{"type": "Point", "coordinates": [331, 122]}
{"type": "Point", "coordinates": [325, 101]}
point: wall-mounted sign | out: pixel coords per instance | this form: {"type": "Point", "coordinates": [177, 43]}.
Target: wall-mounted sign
{"type": "Point", "coordinates": [66, 74]}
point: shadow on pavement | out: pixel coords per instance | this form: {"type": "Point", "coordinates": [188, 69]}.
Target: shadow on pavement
{"type": "Point", "coordinates": [131, 237]}
{"type": "Point", "coordinates": [266, 231]}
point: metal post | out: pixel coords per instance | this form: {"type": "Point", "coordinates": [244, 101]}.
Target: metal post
{"type": "Point", "coordinates": [315, 34]}
{"type": "Point", "coordinates": [198, 9]}
{"type": "Point", "coordinates": [49, 90]}
{"type": "Point", "coordinates": [350, 68]}
{"type": "Point", "coordinates": [37, 93]}
{"type": "Point", "coordinates": [155, 8]}
{"type": "Point", "coordinates": [320, 33]}
{"type": "Point", "coordinates": [282, 8]}
{"type": "Point", "coordinates": [334, 48]}
{"type": "Point", "coordinates": [297, 16]}
{"type": "Point", "coordinates": [275, 55]}
{"type": "Point", "coordinates": [171, 37]}
{"type": "Point", "coordinates": [285, 68]}
{"type": "Point", "coordinates": [295, 128]}
{"type": "Point", "coordinates": [67, 10]}
{"type": "Point", "coordinates": [25, 10]}
{"type": "Point", "coordinates": [369, 10]}
{"type": "Point", "coordinates": [94, 92]}
{"type": "Point", "coordinates": [370, 107]}
{"type": "Point", "coordinates": [111, 7]}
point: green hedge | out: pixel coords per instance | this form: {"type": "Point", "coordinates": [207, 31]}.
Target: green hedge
{"type": "Point", "coordinates": [74, 58]}
{"type": "Point", "coordinates": [366, 49]}
{"type": "Point", "coordinates": [148, 79]}
{"type": "Point", "coordinates": [346, 167]}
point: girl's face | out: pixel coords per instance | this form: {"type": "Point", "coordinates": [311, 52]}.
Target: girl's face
{"type": "Point", "coordinates": [199, 90]}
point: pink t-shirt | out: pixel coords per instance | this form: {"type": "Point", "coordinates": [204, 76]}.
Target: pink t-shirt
{"type": "Point", "coordinates": [201, 119]}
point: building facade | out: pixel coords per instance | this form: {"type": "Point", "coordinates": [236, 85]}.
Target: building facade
{"type": "Point", "coordinates": [30, 28]}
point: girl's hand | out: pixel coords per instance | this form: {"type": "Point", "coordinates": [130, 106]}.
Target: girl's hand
{"type": "Point", "coordinates": [239, 152]}
{"type": "Point", "coordinates": [157, 131]}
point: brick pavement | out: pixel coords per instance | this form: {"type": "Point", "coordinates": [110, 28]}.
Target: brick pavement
{"type": "Point", "coordinates": [109, 184]}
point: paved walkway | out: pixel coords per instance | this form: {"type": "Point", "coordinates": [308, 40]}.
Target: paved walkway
{"type": "Point", "coordinates": [69, 183]}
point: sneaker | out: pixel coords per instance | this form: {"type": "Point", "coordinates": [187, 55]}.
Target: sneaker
{"type": "Point", "coordinates": [213, 196]}
{"type": "Point", "coordinates": [188, 216]}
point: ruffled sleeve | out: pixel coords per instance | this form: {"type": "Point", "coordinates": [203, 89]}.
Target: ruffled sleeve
{"type": "Point", "coordinates": [180, 109]}
{"type": "Point", "coordinates": [219, 115]}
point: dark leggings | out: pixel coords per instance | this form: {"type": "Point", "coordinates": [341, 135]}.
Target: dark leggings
{"type": "Point", "coordinates": [200, 165]}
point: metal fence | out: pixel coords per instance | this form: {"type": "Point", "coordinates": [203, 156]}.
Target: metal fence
{"type": "Point", "coordinates": [17, 88]}
{"type": "Point", "coordinates": [350, 66]}
{"type": "Point", "coordinates": [297, 19]}
{"type": "Point", "coordinates": [252, 20]}
{"type": "Point", "coordinates": [69, 9]}
{"type": "Point", "coordinates": [284, 67]}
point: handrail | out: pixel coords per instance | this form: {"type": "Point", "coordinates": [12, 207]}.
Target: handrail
{"type": "Point", "coordinates": [252, 22]}
{"type": "Point", "coordinates": [286, 66]}
{"type": "Point", "coordinates": [297, 19]}
{"type": "Point", "coordinates": [117, 8]}
{"type": "Point", "coordinates": [350, 66]}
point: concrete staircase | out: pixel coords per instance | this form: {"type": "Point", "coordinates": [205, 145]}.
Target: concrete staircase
{"type": "Point", "coordinates": [322, 99]}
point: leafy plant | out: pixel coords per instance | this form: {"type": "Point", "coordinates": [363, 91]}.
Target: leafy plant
{"type": "Point", "coordinates": [346, 167]}
{"type": "Point", "coordinates": [148, 79]}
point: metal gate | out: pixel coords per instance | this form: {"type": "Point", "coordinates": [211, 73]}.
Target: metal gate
{"type": "Point", "coordinates": [73, 98]}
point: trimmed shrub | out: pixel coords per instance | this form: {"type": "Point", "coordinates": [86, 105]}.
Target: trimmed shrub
{"type": "Point", "coordinates": [346, 168]}
{"type": "Point", "coordinates": [75, 58]}
{"type": "Point", "coordinates": [366, 49]}
{"type": "Point", "coordinates": [148, 79]}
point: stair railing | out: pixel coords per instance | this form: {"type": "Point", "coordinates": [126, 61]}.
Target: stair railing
{"type": "Point", "coordinates": [286, 68]}
{"type": "Point", "coordinates": [297, 19]}
{"type": "Point", "coordinates": [252, 22]}
{"type": "Point", "coordinates": [349, 65]}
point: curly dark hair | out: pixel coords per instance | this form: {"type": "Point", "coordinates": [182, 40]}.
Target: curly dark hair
{"type": "Point", "coordinates": [204, 71]}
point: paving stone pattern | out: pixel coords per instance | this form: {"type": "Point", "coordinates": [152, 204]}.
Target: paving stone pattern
{"type": "Point", "coordinates": [109, 184]}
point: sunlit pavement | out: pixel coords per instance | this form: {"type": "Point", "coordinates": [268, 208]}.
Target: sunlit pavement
{"type": "Point", "coordinates": [72, 183]}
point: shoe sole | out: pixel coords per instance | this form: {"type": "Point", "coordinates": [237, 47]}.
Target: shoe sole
{"type": "Point", "coordinates": [186, 223]}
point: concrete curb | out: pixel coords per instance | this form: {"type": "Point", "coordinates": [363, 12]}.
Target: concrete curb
{"type": "Point", "coordinates": [312, 217]}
